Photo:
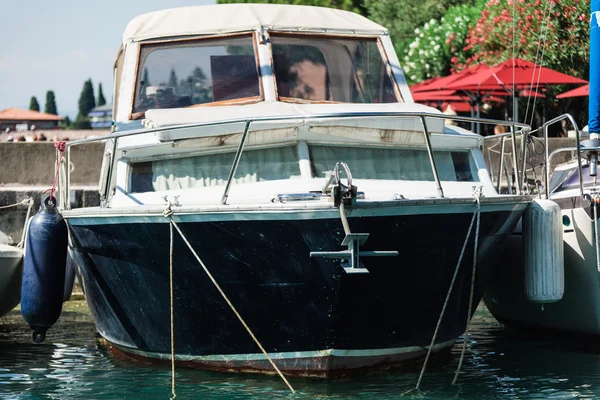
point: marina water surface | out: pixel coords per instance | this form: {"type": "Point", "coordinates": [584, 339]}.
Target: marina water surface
{"type": "Point", "coordinates": [500, 364]}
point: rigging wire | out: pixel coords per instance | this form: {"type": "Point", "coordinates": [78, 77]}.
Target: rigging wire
{"type": "Point", "coordinates": [513, 57]}
{"type": "Point", "coordinates": [537, 58]}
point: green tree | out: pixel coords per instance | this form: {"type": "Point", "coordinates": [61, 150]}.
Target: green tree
{"type": "Point", "coordinates": [66, 123]}
{"type": "Point", "coordinates": [33, 104]}
{"type": "Point", "coordinates": [440, 43]}
{"type": "Point", "coordinates": [101, 99]}
{"type": "Point", "coordinates": [402, 17]}
{"type": "Point", "coordinates": [86, 103]}
{"type": "Point", "coordinates": [50, 107]}
{"type": "Point", "coordinates": [356, 6]}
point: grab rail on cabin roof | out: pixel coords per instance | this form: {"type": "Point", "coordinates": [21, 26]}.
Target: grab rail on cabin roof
{"type": "Point", "coordinates": [66, 200]}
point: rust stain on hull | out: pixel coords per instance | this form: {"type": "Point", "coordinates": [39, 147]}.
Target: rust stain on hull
{"type": "Point", "coordinates": [322, 367]}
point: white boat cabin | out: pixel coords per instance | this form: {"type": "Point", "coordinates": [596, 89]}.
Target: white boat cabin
{"type": "Point", "coordinates": [319, 85]}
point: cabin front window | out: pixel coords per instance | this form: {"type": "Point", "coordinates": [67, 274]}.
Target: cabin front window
{"type": "Point", "coordinates": [196, 72]}
{"type": "Point", "coordinates": [256, 165]}
{"type": "Point", "coordinates": [394, 164]}
{"type": "Point", "coordinates": [309, 68]}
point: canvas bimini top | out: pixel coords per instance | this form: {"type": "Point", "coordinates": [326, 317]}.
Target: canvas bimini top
{"type": "Point", "coordinates": [231, 18]}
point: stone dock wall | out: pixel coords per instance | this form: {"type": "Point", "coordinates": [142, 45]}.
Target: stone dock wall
{"type": "Point", "coordinates": [28, 168]}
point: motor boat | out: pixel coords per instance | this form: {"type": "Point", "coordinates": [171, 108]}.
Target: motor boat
{"type": "Point", "coordinates": [270, 181]}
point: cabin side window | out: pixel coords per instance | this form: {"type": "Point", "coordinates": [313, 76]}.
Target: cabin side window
{"type": "Point", "coordinates": [196, 72]}
{"type": "Point", "coordinates": [256, 165]}
{"type": "Point", "coordinates": [394, 163]}
{"type": "Point", "coordinates": [341, 70]}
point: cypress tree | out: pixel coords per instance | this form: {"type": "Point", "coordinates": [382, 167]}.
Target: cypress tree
{"type": "Point", "coordinates": [101, 99]}
{"type": "Point", "coordinates": [86, 99]}
{"type": "Point", "coordinates": [145, 78]}
{"type": "Point", "coordinates": [173, 79]}
{"type": "Point", "coordinates": [86, 103]}
{"type": "Point", "coordinates": [33, 104]}
{"type": "Point", "coordinates": [50, 107]}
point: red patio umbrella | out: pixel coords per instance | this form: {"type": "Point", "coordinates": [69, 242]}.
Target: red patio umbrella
{"type": "Point", "coordinates": [511, 73]}
{"type": "Point", "coordinates": [417, 86]}
{"type": "Point", "coordinates": [446, 81]}
{"type": "Point", "coordinates": [581, 91]}
{"type": "Point", "coordinates": [437, 95]}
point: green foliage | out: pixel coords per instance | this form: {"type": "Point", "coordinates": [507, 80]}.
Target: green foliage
{"type": "Point", "coordinates": [101, 99]}
{"type": "Point", "coordinates": [564, 23]}
{"type": "Point", "coordinates": [50, 107]}
{"type": "Point", "coordinates": [440, 43]}
{"type": "Point", "coordinates": [81, 122]}
{"type": "Point", "coordinates": [65, 123]}
{"type": "Point", "coordinates": [348, 5]}
{"type": "Point", "coordinates": [33, 104]}
{"type": "Point", "coordinates": [402, 17]}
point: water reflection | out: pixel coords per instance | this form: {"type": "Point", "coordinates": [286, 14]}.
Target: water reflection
{"type": "Point", "coordinates": [500, 364]}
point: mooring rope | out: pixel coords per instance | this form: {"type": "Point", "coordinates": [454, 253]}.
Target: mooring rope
{"type": "Point", "coordinates": [475, 250]}
{"type": "Point", "coordinates": [237, 314]}
{"type": "Point", "coordinates": [23, 202]}
{"type": "Point", "coordinates": [344, 219]}
{"type": "Point", "coordinates": [29, 202]}
{"type": "Point", "coordinates": [61, 148]}
{"type": "Point", "coordinates": [172, 313]}
{"type": "Point", "coordinates": [439, 322]}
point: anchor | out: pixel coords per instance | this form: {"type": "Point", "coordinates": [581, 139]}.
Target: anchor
{"type": "Point", "coordinates": [353, 254]}
{"type": "Point", "coordinates": [346, 195]}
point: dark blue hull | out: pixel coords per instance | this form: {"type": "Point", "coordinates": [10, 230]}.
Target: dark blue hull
{"type": "Point", "coordinates": [313, 317]}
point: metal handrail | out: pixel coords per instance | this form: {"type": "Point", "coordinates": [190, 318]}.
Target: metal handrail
{"type": "Point", "coordinates": [547, 156]}
{"type": "Point", "coordinates": [422, 115]}
{"type": "Point", "coordinates": [519, 183]}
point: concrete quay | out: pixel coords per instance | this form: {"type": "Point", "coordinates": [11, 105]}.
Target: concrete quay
{"type": "Point", "coordinates": [28, 169]}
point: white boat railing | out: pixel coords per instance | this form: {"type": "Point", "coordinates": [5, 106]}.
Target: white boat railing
{"type": "Point", "coordinates": [548, 157]}
{"type": "Point", "coordinates": [66, 172]}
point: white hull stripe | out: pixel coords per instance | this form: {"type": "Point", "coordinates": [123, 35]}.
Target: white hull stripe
{"type": "Point", "coordinates": [96, 216]}
{"type": "Point", "coordinates": [289, 355]}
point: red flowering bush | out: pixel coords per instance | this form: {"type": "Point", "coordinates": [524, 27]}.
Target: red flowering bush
{"type": "Point", "coordinates": [563, 23]}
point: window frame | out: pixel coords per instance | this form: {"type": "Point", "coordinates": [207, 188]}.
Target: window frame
{"type": "Point", "coordinates": [245, 100]}
{"type": "Point", "coordinates": [377, 39]}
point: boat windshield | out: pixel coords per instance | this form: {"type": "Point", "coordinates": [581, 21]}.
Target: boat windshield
{"type": "Point", "coordinates": [196, 72]}
{"type": "Point", "coordinates": [310, 68]}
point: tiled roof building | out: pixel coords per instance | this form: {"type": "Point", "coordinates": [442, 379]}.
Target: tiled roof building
{"type": "Point", "coordinates": [17, 119]}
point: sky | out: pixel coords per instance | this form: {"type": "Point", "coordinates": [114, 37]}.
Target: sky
{"type": "Point", "coordinates": [57, 45]}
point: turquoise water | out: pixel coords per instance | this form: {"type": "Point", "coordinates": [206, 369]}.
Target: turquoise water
{"type": "Point", "coordinates": [499, 364]}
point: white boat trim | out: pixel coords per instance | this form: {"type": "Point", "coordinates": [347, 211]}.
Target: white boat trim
{"type": "Point", "coordinates": [290, 355]}
{"type": "Point", "coordinates": [325, 210]}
